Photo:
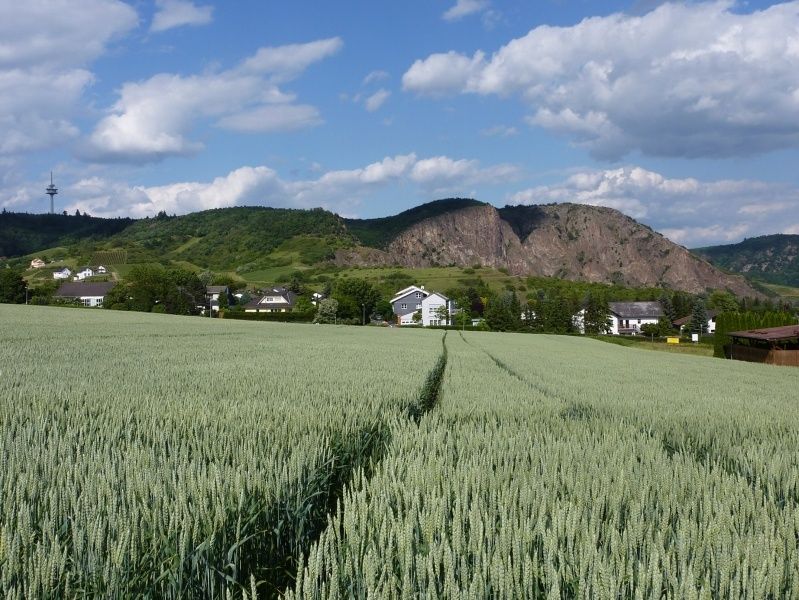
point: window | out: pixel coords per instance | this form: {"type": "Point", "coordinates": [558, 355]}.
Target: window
{"type": "Point", "coordinates": [419, 305]}
{"type": "Point", "coordinates": [403, 306]}
{"type": "Point", "coordinates": [418, 294]}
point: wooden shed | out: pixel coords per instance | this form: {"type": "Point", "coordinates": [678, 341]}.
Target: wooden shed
{"type": "Point", "coordinates": [772, 345]}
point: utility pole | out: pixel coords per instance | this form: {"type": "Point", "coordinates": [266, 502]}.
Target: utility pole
{"type": "Point", "coordinates": [363, 313]}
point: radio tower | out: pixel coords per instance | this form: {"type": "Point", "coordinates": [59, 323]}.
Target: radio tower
{"type": "Point", "coordinates": [51, 191]}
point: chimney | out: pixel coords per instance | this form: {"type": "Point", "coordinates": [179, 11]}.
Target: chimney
{"type": "Point", "coordinates": [421, 287]}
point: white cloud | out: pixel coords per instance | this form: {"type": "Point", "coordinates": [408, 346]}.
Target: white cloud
{"type": "Point", "coordinates": [152, 118]}
{"type": "Point", "coordinates": [464, 8]}
{"type": "Point", "coordinates": [45, 48]}
{"type": "Point", "coordinates": [178, 13]}
{"type": "Point", "coordinates": [686, 79]}
{"type": "Point", "coordinates": [375, 76]}
{"type": "Point", "coordinates": [339, 190]}
{"type": "Point", "coordinates": [376, 100]}
{"type": "Point", "coordinates": [688, 211]}
{"type": "Point", "coordinates": [273, 117]}
{"type": "Point", "coordinates": [499, 131]}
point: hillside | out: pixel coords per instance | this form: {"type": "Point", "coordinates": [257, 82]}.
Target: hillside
{"type": "Point", "coordinates": [22, 233]}
{"type": "Point", "coordinates": [567, 241]}
{"type": "Point", "coordinates": [769, 258]}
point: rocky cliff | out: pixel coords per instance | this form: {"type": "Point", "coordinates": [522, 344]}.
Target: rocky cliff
{"type": "Point", "coordinates": [570, 241]}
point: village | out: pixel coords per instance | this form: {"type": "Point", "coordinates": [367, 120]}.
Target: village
{"type": "Point", "coordinates": [416, 306]}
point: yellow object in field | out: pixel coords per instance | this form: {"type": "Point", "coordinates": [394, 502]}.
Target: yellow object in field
{"type": "Point", "coordinates": [672, 340]}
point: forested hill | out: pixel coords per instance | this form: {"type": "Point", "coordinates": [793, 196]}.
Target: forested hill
{"type": "Point", "coordinates": [769, 258]}
{"type": "Point", "coordinates": [22, 233]}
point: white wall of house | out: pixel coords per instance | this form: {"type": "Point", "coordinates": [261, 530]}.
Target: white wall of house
{"type": "Point", "coordinates": [430, 306]}
{"type": "Point", "coordinates": [62, 274]}
{"type": "Point", "coordinates": [81, 275]}
{"type": "Point", "coordinates": [91, 300]}
{"type": "Point", "coordinates": [617, 322]}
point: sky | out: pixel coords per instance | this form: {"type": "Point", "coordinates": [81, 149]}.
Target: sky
{"type": "Point", "coordinates": [684, 116]}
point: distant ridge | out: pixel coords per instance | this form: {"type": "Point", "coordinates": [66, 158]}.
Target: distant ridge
{"type": "Point", "coordinates": [768, 258]}
{"type": "Point", "coordinates": [567, 241]}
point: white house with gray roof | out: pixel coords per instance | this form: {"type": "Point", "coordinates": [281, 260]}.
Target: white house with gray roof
{"type": "Point", "coordinates": [414, 299]}
{"type": "Point", "coordinates": [627, 318]}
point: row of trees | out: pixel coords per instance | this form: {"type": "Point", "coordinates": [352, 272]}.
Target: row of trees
{"type": "Point", "coordinates": [151, 288]}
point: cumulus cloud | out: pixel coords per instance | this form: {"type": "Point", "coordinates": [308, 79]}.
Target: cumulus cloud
{"type": "Point", "coordinates": [464, 8]}
{"type": "Point", "coordinates": [685, 79]}
{"type": "Point", "coordinates": [178, 13]}
{"type": "Point", "coordinates": [375, 76]}
{"type": "Point", "coordinates": [338, 190]}
{"type": "Point", "coordinates": [153, 118]}
{"type": "Point", "coordinates": [687, 211]}
{"type": "Point", "coordinates": [45, 49]}
{"type": "Point", "coordinates": [376, 100]}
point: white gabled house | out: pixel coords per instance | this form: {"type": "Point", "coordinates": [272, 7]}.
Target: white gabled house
{"type": "Point", "coordinates": [627, 318]}
{"type": "Point", "coordinates": [101, 270]}
{"type": "Point", "coordinates": [413, 299]}
{"type": "Point", "coordinates": [37, 263]}
{"type": "Point", "coordinates": [431, 306]}
{"type": "Point", "coordinates": [408, 301]}
{"type": "Point", "coordinates": [64, 273]}
{"type": "Point", "coordinates": [83, 273]}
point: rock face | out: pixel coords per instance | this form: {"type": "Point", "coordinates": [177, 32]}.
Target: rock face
{"type": "Point", "coordinates": [570, 241]}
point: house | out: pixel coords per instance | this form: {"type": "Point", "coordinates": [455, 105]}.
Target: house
{"type": "Point", "coordinates": [711, 322]}
{"type": "Point", "coordinates": [413, 299]}
{"type": "Point", "coordinates": [37, 263]}
{"type": "Point", "coordinates": [89, 294]}
{"type": "Point", "coordinates": [770, 345]}
{"type": "Point", "coordinates": [212, 293]}
{"type": "Point", "coordinates": [431, 309]}
{"type": "Point", "coordinates": [406, 302]}
{"type": "Point", "coordinates": [317, 297]}
{"type": "Point", "coordinates": [83, 273]}
{"type": "Point", "coordinates": [276, 299]}
{"type": "Point", "coordinates": [626, 318]}
{"type": "Point", "coordinates": [101, 270]}
{"type": "Point", "coordinates": [64, 273]}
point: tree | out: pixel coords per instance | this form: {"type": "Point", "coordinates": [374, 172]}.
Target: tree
{"type": "Point", "coordinates": [303, 305]}
{"type": "Point", "coordinates": [504, 313]}
{"type": "Point", "coordinates": [327, 311]}
{"type": "Point", "coordinates": [723, 301]}
{"type": "Point", "coordinates": [223, 300]}
{"type": "Point", "coordinates": [596, 319]}
{"type": "Point", "coordinates": [442, 314]}
{"type": "Point", "coordinates": [417, 317]}
{"type": "Point", "coordinates": [383, 310]}
{"type": "Point", "coordinates": [668, 308]}
{"type": "Point", "coordinates": [699, 317]}
{"type": "Point", "coordinates": [12, 287]}
{"type": "Point", "coordinates": [355, 296]}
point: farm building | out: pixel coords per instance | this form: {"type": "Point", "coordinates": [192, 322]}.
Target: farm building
{"type": "Point", "coordinates": [89, 294]}
{"type": "Point", "coordinates": [772, 345]}
{"type": "Point", "coordinates": [37, 263]}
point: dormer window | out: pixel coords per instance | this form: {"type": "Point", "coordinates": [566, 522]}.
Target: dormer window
{"type": "Point", "coordinates": [418, 294]}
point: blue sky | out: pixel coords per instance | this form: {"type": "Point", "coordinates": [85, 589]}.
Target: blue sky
{"type": "Point", "coordinates": [684, 116]}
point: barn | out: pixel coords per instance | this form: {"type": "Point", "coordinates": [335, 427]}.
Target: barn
{"type": "Point", "coordinates": [771, 345]}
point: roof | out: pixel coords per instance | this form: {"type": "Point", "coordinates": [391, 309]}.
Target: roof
{"type": "Point", "coordinates": [711, 314]}
{"type": "Point", "coordinates": [215, 289]}
{"type": "Point", "coordinates": [636, 310]}
{"type": "Point", "coordinates": [439, 294]}
{"type": "Point", "coordinates": [290, 297]}
{"type": "Point", "coordinates": [83, 290]}
{"type": "Point", "coordinates": [408, 290]}
{"type": "Point", "coordinates": [769, 334]}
